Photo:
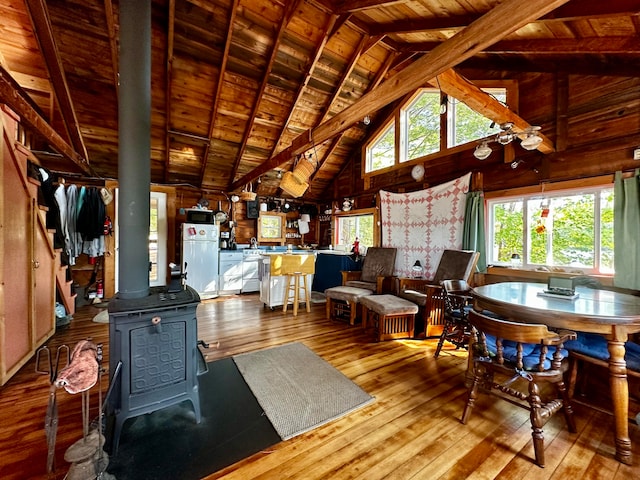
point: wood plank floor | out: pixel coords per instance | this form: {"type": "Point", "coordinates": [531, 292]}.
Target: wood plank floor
{"type": "Point", "coordinates": [411, 431]}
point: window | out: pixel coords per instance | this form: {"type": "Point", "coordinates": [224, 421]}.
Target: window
{"type": "Point", "coordinates": [420, 122]}
{"type": "Point", "coordinates": [381, 154]}
{"type": "Point", "coordinates": [573, 230]}
{"type": "Point", "coordinates": [466, 125]}
{"type": "Point", "coordinates": [417, 129]}
{"type": "Point", "coordinates": [351, 227]}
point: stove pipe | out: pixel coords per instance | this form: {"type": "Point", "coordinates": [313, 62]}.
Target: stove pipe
{"type": "Point", "coordinates": [134, 134]}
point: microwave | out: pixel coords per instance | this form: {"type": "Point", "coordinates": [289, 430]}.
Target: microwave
{"type": "Point", "coordinates": [196, 215]}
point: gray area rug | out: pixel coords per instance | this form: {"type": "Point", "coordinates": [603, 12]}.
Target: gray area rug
{"type": "Point", "coordinates": [297, 389]}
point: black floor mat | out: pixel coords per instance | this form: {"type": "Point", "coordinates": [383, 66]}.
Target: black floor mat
{"type": "Point", "coordinates": [168, 444]}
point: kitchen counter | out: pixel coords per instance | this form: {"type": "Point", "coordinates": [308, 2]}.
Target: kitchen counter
{"type": "Point", "coordinates": [274, 267]}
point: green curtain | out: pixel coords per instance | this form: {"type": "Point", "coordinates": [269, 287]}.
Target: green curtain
{"type": "Point", "coordinates": [473, 234]}
{"type": "Point", "coordinates": [626, 231]}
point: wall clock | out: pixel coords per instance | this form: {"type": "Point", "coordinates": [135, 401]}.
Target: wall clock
{"type": "Point", "coordinates": [417, 172]}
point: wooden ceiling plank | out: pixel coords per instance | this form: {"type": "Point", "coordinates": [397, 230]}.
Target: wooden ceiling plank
{"type": "Point", "coordinates": [113, 43]}
{"type": "Point", "coordinates": [44, 33]}
{"type": "Point", "coordinates": [233, 9]}
{"type": "Point", "coordinates": [359, 51]}
{"type": "Point", "coordinates": [315, 58]}
{"type": "Point", "coordinates": [17, 99]}
{"type": "Point", "coordinates": [457, 86]}
{"type": "Point", "coordinates": [265, 80]}
{"type": "Point", "coordinates": [380, 74]}
{"type": "Point", "coordinates": [171, 21]}
{"type": "Point", "coordinates": [499, 22]}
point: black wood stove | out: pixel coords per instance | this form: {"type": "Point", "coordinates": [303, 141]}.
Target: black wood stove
{"type": "Point", "coordinates": [153, 352]}
{"type": "Point", "coordinates": [153, 356]}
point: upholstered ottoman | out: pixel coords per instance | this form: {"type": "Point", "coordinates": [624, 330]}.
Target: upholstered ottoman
{"type": "Point", "coordinates": [393, 315]}
{"type": "Point", "coordinates": [343, 300]}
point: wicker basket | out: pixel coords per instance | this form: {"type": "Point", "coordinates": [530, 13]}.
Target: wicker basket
{"type": "Point", "coordinates": [292, 186]}
{"type": "Point", "coordinates": [303, 170]}
{"type": "Point", "coordinates": [248, 195]}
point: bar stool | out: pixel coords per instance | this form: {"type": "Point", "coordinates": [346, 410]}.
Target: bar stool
{"type": "Point", "coordinates": [295, 289]}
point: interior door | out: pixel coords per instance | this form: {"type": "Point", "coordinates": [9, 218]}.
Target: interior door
{"type": "Point", "coordinates": [157, 239]}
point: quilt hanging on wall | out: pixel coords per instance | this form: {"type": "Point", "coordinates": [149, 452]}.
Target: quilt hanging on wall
{"type": "Point", "coordinates": [424, 223]}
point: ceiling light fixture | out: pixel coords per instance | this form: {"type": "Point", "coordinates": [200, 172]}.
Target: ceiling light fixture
{"type": "Point", "coordinates": [366, 120]}
{"type": "Point", "coordinates": [530, 139]}
{"type": "Point", "coordinates": [482, 151]}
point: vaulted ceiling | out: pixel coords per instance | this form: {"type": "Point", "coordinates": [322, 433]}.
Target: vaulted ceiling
{"type": "Point", "coordinates": [240, 88]}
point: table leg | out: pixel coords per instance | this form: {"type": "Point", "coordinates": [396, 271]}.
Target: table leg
{"type": "Point", "coordinates": [620, 395]}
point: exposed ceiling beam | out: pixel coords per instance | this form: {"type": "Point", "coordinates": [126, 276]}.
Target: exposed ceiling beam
{"type": "Point", "coordinates": [233, 9]}
{"type": "Point", "coordinates": [290, 9]}
{"type": "Point", "coordinates": [17, 99]}
{"type": "Point", "coordinates": [359, 50]}
{"type": "Point", "coordinates": [462, 89]}
{"type": "Point", "coordinates": [344, 6]}
{"type": "Point", "coordinates": [556, 46]}
{"type": "Point", "coordinates": [332, 27]}
{"type": "Point", "coordinates": [503, 19]}
{"type": "Point", "coordinates": [573, 11]}
{"type": "Point", "coordinates": [44, 34]}
{"type": "Point", "coordinates": [382, 72]}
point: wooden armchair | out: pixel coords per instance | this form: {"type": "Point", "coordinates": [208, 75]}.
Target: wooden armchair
{"type": "Point", "coordinates": [522, 356]}
{"type": "Point", "coordinates": [429, 295]}
{"type": "Point", "coordinates": [377, 271]}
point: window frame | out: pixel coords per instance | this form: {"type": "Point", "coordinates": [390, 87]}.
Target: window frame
{"type": "Point", "coordinates": [357, 213]}
{"type": "Point", "coordinates": [594, 185]}
{"type": "Point", "coordinates": [512, 96]}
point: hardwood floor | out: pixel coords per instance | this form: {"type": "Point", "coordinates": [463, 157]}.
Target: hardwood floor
{"type": "Point", "coordinates": [411, 431]}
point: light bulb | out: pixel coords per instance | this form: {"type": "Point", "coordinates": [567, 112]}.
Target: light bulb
{"type": "Point", "coordinates": [482, 151]}
{"type": "Point", "coordinates": [366, 120]}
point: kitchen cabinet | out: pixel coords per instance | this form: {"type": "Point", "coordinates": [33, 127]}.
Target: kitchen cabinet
{"type": "Point", "coordinates": [273, 282]}
{"type": "Point", "coordinates": [250, 265]}
{"type": "Point", "coordinates": [28, 260]}
{"type": "Point", "coordinates": [230, 271]}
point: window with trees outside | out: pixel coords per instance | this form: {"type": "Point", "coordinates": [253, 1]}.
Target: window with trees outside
{"type": "Point", "coordinates": [419, 128]}
{"type": "Point", "coordinates": [350, 227]}
{"type": "Point", "coordinates": [570, 230]}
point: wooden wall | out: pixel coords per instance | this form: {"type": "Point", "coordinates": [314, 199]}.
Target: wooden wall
{"type": "Point", "coordinates": [594, 121]}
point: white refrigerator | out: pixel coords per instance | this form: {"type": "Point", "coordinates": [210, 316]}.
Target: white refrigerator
{"type": "Point", "coordinates": [200, 248]}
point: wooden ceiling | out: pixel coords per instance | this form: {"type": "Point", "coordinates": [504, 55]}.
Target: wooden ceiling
{"type": "Point", "coordinates": [241, 87]}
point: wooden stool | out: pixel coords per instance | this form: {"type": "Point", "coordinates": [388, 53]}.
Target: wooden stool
{"type": "Point", "coordinates": [295, 289]}
{"type": "Point", "coordinates": [395, 315]}
{"type": "Point", "coordinates": [343, 300]}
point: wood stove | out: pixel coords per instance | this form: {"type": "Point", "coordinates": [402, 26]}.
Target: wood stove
{"type": "Point", "coordinates": [153, 348]}
{"type": "Point", "coordinates": [153, 356]}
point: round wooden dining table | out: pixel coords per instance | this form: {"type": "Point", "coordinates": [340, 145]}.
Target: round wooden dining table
{"type": "Point", "coordinates": [612, 314]}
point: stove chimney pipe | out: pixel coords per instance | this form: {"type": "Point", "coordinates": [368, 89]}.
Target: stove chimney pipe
{"type": "Point", "coordinates": [134, 134]}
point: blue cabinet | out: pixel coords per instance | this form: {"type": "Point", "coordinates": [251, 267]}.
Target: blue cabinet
{"type": "Point", "coordinates": [328, 268]}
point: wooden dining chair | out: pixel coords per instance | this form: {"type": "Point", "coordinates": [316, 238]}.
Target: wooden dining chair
{"type": "Point", "coordinates": [457, 304]}
{"type": "Point", "coordinates": [520, 353]}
